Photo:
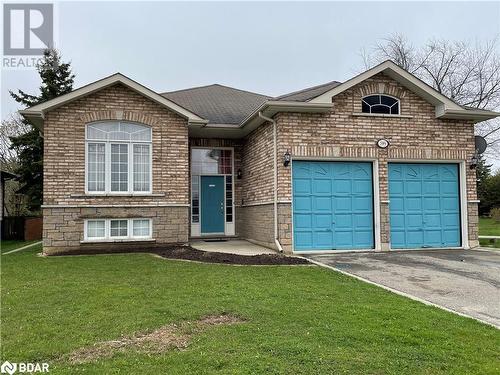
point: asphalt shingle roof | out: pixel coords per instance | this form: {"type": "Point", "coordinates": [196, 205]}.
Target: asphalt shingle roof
{"type": "Point", "coordinates": [217, 103]}
{"type": "Point", "coordinates": [226, 105]}
{"type": "Point", "coordinates": [309, 93]}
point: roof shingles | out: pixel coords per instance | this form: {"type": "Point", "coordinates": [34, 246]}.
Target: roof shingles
{"type": "Point", "coordinates": [218, 104]}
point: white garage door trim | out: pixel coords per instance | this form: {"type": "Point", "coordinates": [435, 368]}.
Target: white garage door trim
{"type": "Point", "coordinates": [462, 168]}
{"type": "Point", "coordinates": [376, 202]}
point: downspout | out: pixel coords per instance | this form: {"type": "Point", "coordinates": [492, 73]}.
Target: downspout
{"type": "Point", "coordinates": [275, 149]}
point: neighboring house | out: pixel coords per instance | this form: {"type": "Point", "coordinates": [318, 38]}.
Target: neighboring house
{"type": "Point", "coordinates": [381, 161]}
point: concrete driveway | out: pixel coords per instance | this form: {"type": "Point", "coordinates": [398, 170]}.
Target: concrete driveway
{"type": "Point", "coordinates": [465, 281]}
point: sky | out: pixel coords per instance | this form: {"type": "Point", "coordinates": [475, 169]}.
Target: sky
{"type": "Point", "coordinates": [266, 47]}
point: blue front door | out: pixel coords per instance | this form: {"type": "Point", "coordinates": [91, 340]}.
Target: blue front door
{"type": "Point", "coordinates": [212, 204]}
{"type": "Point", "coordinates": [332, 205]}
{"type": "Point", "coordinates": [424, 205]}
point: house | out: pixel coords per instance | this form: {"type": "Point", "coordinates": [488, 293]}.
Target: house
{"type": "Point", "coordinates": [379, 162]}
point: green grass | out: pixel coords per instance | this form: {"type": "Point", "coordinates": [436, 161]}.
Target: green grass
{"type": "Point", "coordinates": [6, 246]}
{"type": "Point", "coordinates": [300, 320]}
{"type": "Point", "coordinates": [488, 227]}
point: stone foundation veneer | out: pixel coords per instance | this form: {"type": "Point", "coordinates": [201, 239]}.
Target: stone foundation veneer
{"type": "Point", "coordinates": [63, 226]}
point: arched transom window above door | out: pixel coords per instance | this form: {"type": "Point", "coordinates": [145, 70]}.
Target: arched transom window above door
{"type": "Point", "coordinates": [380, 104]}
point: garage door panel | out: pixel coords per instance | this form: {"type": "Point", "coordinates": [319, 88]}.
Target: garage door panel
{"type": "Point", "coordinates": [431, 213]}
{"type": "Point", "coordinates": [363, 221]}
{"type": "Point", "coordinates": [302, 186]}
{"type": "Point", "coordinates": [363, 239]}
{"type": "Point", "coordinates": [303, 239]}
{"type": "Point", "coordinates": [451, 220]}
{"type": "Point", "coordinates": [414, 187]}
{"type": "Point", "coordinates": [322, 221]}
{"type": "Point", "coordinates": [362, 187]}
{"type": "Point", "coordinates": [450, 203]}
{"type": "Point", "coordinates": [397, 187]}
{"type": "Point", "coordinates": [397, 221]}
{"type": "Point", "coordinates": [302, 204]}
{"type": "Point", "coordinates": [430, 187]}
{"type": "Point", "coordinates": [343, 221]}
{"type": "Point", "coordinates": [303, 221]}
{"type": "Point", "coordinates": [322, 186]}
{"type": "Point", "coordinates": [412, 172]}
{"type": "Point", "coordinates": [336, 204]}
{"type": "Point", "coordinates": [433, 220]}
{"type": "Point", "coordinates": [342, 204]}
{"type": "Point", "coordinates": [415, 237]}
{"type": "Point", "coordinates": [432, 204]}
{"type": "Point", "coordinates": [397, 204]}
{"type": "Point", "coordinates": [414, 221]}
{"type": "Point", "coordinates": [449, 188]}
{"type": "Point", "coordinates": [413, 204]}
{"type": "Point", "coordinates": [343, 187]}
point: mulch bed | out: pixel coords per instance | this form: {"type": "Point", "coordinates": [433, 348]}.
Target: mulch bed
{"type": "Point", "coordinates": [189, 253]}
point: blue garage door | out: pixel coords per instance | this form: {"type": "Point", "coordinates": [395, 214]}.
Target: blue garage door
{"type": "Point", "coordinates": [332, 205]}
{"type": "Point", "coordinates": [424, 205]}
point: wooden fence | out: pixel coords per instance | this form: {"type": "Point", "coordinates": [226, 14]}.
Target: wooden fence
{"type": "Point", "coordinates": [21, 228]}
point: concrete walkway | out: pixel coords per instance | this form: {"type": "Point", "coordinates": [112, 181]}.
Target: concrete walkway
{"type": "Point", "coordinates": [463, 281]}
{"type": "Point", "coordinates": [239, 247]}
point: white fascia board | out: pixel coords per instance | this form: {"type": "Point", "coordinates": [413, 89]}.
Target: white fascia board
{"type": "Point", "coordinates": [39, 109]}
{"type": "Point", "coordinates": [469, 114]}
{"type": "Point", "coordinates": [397, 73]}
{"type": "Point", "coordinates": [276, 106]}
{"type": "Point", "coordinates": [270, 108]}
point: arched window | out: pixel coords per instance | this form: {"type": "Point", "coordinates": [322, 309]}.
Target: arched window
{"type": "Point", "coordinates": [380, 104]}
{"type": "Point", "coordinates": [118, 157]}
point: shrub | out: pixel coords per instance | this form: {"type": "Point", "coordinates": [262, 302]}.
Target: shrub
{"type": "Point", "coordinates": [495, 214]}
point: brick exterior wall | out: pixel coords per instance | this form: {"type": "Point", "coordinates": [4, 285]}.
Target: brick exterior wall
{"type": "Point", "coordinates": [64, 169]}
{"type": "Point", "coordinates": [345, 133]}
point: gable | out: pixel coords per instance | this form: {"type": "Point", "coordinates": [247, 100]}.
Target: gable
{"type": "Point", "coordinates": [36, 114]}
{"type": "Point", "coordinates": [444, 107]}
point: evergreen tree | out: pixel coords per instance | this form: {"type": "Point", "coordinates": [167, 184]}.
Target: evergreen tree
{"type": "Point", "coordinates": [483, 173]}
{"type": "Point", "coordinates": [57, 79]}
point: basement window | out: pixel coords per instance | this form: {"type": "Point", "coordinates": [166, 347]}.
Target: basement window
{"type": "Point", "coordinates": [117, 229]}
{"type": "Point", "coordinates": [380, 104]}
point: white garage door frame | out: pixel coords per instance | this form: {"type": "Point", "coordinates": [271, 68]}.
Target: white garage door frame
{"type": "Point", "coordinates": [462, 167]}
{"type": "Point", "coordinates": [376, 202]}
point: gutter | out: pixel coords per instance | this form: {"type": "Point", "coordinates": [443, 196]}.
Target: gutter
{"type": "Point", "coordinates": [275, 148]}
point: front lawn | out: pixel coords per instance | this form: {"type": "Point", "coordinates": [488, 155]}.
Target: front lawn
{"type": "Point", "coordinates": [297, 319]}
{"type": "Point", "coordinates": [489, 227]}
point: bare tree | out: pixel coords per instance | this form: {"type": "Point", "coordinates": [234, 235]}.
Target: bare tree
{"type": "Point", "coordinates": [11, 127]}
{"type": "Point", "coordinates": [467, 73]}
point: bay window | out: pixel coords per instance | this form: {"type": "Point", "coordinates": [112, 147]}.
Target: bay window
{"type": "Point", "coordinates": [118, 158]}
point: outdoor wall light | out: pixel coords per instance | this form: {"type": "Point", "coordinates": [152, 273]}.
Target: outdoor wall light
{"type": "Point", "coordinates": [286, 158]}
{"type": "Point", "coordinates": [474, 160]}
{"type": "Point", "coordinates": [239, 174]}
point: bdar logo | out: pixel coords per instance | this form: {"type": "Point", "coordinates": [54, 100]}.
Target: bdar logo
{"type": "Point", "coordinates": [8, 368]}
